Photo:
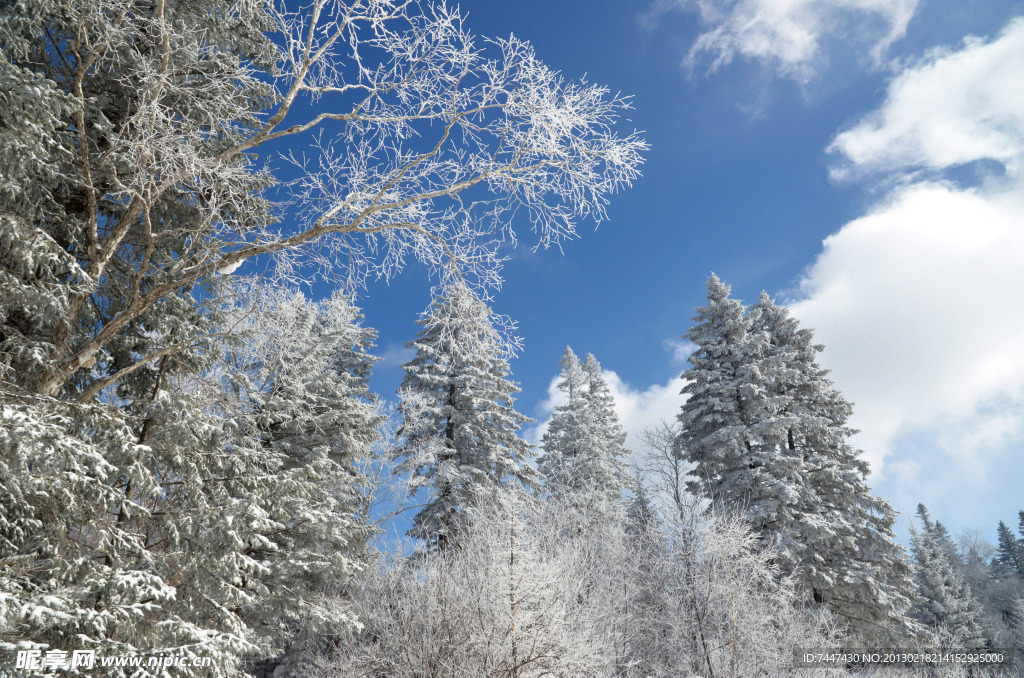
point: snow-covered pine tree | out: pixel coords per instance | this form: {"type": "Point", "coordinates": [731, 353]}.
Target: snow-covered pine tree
{"type": "Point", "coordinates": [944, 600]}
{"type": "Point", "coordinates": [92, 550]}
{"type": "Point", "coordinates": [1007, 564]}
{"type": "Point", "coordinates": [845, 550]}
{"type": "Point", "coordinates": [993, 578]}
{"type": "Point", "coordinates": [1009, 558]}
{"type": "Point", "coordinates": [219, 510]}
{"type": "Point", "coordinates": [726, 426]}
{"type": "Point", "coordinates": [563, 441]}
{"type": "Point", "coordinates": [946, 541]}
{"type": "Point", "coordinates": [584, 445]}
{"type": "Point", "coordinates": [641, 517]}
{"type": "Point", "coordinates": [643, 617]}
{"type": "Point", "coordinates": [73, 574]}
{"type": "Point", "coordinates": [607, 453]}
{"type": "Point", "coordinates": [766, 433]}
{"type": "Point", "coordinates": [460, 428]}
{"type": "Point", "coordinates": [296, 385]}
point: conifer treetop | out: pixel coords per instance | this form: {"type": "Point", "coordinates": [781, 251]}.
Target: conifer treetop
{"type": "Point", "coordinates": [460, 428]}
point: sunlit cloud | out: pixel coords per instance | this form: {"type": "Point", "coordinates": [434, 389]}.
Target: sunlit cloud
{"type": "Point", "coordinates": [790, 36]}
{"type": "Point", "coordinates": [918, 302]}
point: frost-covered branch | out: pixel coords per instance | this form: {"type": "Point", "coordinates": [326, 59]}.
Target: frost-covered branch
{"type": "Point", "coordinates": [545, 589]}
{"type": "Point", "coordinates": [422, 142]}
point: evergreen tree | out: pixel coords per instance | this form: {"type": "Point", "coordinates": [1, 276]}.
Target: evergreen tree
{"type": "Point", "coordinates": [112, 538]}
{"type": "Point", "coordinates": [944, 598]}
{"type": "Point", "coordinates": [641, 517]}
{"type": "Point", "coordinates": [584, 445]}
{"type": "Point", "coordinates": [997, 587]}
{"type": "Point", "coordinates": [1009, 558]}
{"type": "Point", "coordinates": [766, 434]}
{"type": "Point", "coordinates": [460, 428]}
{"type": "Point", "coordinates": [728, 431]}
{"type": "Point", "coordinates": [606, 446]}
{"type": "Point", "coordinates": [723, 412]}
{"type": "Point", "coordinates": [564, 442]}
{"type": "Point", "coordinates": [946, 542]}
{"type": "Point", "coordinates": [847, 555]}
{"type": "Point", "coordinates": [216, 519]}
{"type": "Point", "coordinates": [296, 384]}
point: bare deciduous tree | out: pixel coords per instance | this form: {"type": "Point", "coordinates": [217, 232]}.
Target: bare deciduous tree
{"type": "Point", "coordinates": [406, 137]}
{"type": "Point", "coordinates": [540, 589]}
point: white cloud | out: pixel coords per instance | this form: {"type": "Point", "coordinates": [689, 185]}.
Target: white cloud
{"type": "Point", "coordinates": [951, 109]}
{"type": "Point", "coordinates": [988, 431]}
{"type": "Point", "coordinates": [395, 355]}
{"type": "Point", "coordinates": [642, 409]}
{"type": "Point", "coordinates": [920, 308]}
{"type": "Point", "coordinates": [788, 35]}
{"type": "Point", "coordinates": [920, 302]}
{"type": "Point", "coordinates": [681, 350]}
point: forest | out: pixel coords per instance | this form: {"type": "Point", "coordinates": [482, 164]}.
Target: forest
{"type": "Point", "coordinates": [195, 474]}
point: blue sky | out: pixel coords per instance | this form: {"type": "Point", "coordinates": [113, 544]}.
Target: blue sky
{"type": "Point", "coordinates": [860, 160]}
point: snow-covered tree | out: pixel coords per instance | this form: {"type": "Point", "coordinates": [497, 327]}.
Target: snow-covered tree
{"type": "Point", "coordinates": [727, 428]}
{"type": "Point", "coordinates": [295, 385]}
{"type": "Point", "coordinates": [641, 515]}
{"type": "Point", "coordinates": [946, 541]}
{"type": "Point", "coordinates": [564, 441]}
{"type": "Point", "coordinates": [1009, 557]}
{"type": "Point", "coordinates": [976, 554]}
{"type": "Point", "coordinates": [97, 545]}
{"type": "Point", "coordinates": [460, 428]}
{"type": "Point", "coordinates": [1017, 631]}
{"type": "Point", "coordinates": [766, 433]}
{"type": "Point", "coordinates": [847, 555]}
{"type": "Point", "coordinates": [607, 442]}
{"type": "Point", "coordinates": [944, 600]}
{"type": "Point", "coordinates": [233, 518]}
{"type": "Point", "coordinates": [536, 589]}
{"type": "Point", "coordinates": [198, 520]}
{"type": "Point", "coordinates": [512, 600]}
{"type": "Point", "coordinates": [74, 570]}
{"type": "Point", "coordinates": [147, 119]}
{"type": "Point", "coordinates": [1004, 588]}
{"type": "Point", "coordinates": [584, 445]}
{"type": "Point", "coordinates": [136, 516]}
{"type": "Point", "coordinates": [726, 400]}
